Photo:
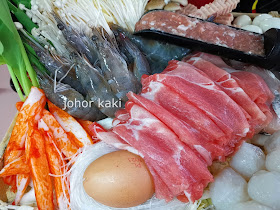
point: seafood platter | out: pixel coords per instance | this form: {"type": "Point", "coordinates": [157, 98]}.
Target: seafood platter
{"type": "Point", "coordinates": [137, 105]}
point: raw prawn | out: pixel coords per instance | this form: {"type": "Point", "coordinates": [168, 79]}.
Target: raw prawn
{"type": "Point", "coordinates": [40, 171]}
{"type": "Point", "coordinates": [157, 53]}
{"type": "Point", "coordinates": [114, 67]}
{"type": "Point", "coordinates": [58, 168]}
{"type": "Point", "coordinates": [64, 142]}
{"type": "Point", "coordinates": [140, 63]}
{"type": "Point", "coordinates": [78, 41]}
{"type": "Point", "coordinates": [98, 89]}
{"type": "Point", "coordinates": [57, 69]}
{"type": "Point", "coordinates": [62, 95]}
{"type": "Point", "coordinates": [70, 125]}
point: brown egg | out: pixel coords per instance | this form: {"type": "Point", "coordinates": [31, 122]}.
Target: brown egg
{"type": "Point", "coordinates": [119, 179]}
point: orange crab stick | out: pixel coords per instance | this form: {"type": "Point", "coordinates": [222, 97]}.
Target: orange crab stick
{"type": "Point", "coordinates": [17, 166]}
{"type": "Point", "coordinates": [40, 171]}
{"type": "Point", "coordinates": [70, 125]}
{"type": "Point", "coordinates": [29, 112]}
{"type": "Point", "coordinates": [23, 181]}
{"type": "Point", "coordinates": [62, 140]}
{"type": "Point", "coordinates": [87, 125]}
{"type": "Point", "coordinates": [57, 167]}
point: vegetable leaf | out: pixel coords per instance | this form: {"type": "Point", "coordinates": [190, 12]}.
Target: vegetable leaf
{"type": "Point", "coordinates": [13, 52]}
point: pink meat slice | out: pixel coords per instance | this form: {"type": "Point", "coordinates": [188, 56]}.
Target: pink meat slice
{"type": "Point", "coordinates": [228, 84]}
{"type": "Point", "coordinates": [190, 136]}
{"type": "Point", "coordinates": [183, 109]}
{"type": "Point", "coordinates": [113, 139]}
{"type": "Point", "coordinates": [185, 171]}
{"type": "Point", "coordinates": [203, 93]}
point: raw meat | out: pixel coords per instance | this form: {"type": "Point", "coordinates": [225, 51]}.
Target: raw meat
{"type": "Point", "coordinates": [225, 19]}
{"type": "Point", "coordinates": [187, 134]}
{"type": "Point", "coordinates": [183, 109]}
{"type": "Point", "coordinates": [184, 79]}
{"type": "Point", "coordinates": [204, 31]}
{"type": "Point", "coordinates": [228, 84]}
{"type": "Point", "coordinates": [185, 171]}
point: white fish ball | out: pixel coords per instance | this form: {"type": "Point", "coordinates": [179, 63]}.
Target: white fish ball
{"type": "Point", "coordinates": [251, 205]}
{"type": "Point", "coordinates": [242, 20]}
{"type": "Point", "coordinates": [270, 23]}
{"type": "Point", "coordinates": [273, 143]}
{"type": "Point", "coordinates": [257, 20]}
{"type": "Point", "coordinates": [264, 187]}
{"type": "Point", "coordinates": [260, 139]}
{"type": "Point", "coordinates": [272, 162]}
{"type": "Point", "coordinates": [253, 28]}
{"type": "Point", "coordinates": [228, 189]}
{"type": "Point", "coordinates": [248, 160]}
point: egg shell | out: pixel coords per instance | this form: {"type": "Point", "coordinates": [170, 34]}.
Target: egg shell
{"type": "Point", "coordinates": [242, 20]}
{"type": "Point", "coordinates": [119, 179]}
{"type": "Point", "coordinates": [253, 28]}
{"type": "Point", "coordinates": [270, 23]}
{"type": "Point", "coordinates": [257, 20]}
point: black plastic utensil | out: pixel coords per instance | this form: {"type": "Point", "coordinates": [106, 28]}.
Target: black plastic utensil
{"type": "Point", "coordinates": [269, 60]}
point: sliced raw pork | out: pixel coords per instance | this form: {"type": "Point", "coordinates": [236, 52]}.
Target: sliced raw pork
{"type": "Point", "coordinates": [160, 148]}
{"type": "Point", "coordinates": [228, 84]}
{"type": "Point", "coordinates": [206, 149]}
{"type": "Point", "coordinates": [183, 110]}
{"type": "Point", "coordinates": [203, 93]}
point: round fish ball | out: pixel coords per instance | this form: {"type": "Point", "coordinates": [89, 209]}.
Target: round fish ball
{"type": "Point", "coordinates": [270, 23]}
{"type": "Point", "coordinates": [242, 20]}
{"type": "Point", "coordinates": [260, 139]}
{"type": "Point", "coordinates": [257, 20]}
{"type": "Point", "coordinates": [248, 160]}
{"type": "Point", "coordinates": [251, 205]}
{"type": "Point", "coordinates": [264, 187]}
{"type": "Point", "coordinates": [253, 28]}
{"type": "Point", "coordinates": [273, 143]}
{"type": "Point", "coordinates": [228, 188]}
{"type": "Point", "coordinates": [272, 162]}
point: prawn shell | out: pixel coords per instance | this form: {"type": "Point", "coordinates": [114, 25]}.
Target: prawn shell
{"type": "Point", "coordinates": [57, 164]}
{"type": "Point", "coordinates": [40, 171]}
{"type": "Point", "coordinates": [63, 141]}
{"type": "Point", "coordinates": [70, 125]}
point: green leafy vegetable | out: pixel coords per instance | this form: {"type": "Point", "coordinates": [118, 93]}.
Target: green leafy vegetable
{"type": "Point", "coordinates": [12, 53]}
{"type": "Point", "coordinates": [22, 18]}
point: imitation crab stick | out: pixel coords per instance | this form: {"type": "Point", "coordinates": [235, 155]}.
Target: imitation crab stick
{"type": "Point", "coordinates": [17, 166]}
{"type": "Point", "coordinates": [62, 140]}
{"type": "Point", "coordinates": [70, 125]}
{"type": "Point", "coordinates": [87, 125]}
{"type": "Point", "coordinates": [29, 112]}
{"type": "Point", "coordinates": [56, 164]}
{"type": "Point", "coordinates": [22, 184]}
{"type": "Point", "coordinates": [40, 171]}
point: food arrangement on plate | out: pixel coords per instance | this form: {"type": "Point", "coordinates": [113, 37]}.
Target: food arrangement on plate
{"type": "Point", "coordinates": [137, 104]}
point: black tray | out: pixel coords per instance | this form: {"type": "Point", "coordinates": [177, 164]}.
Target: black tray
{"type": "Point", "coordinates": [269, 60]}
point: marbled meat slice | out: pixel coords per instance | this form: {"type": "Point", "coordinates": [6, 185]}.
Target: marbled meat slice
{"type": "Point", "coordinates": [155, 141]}
{"type": "Point", "coordinates": [183, 109]}
{"type": "Point", "coordinates": [194, 28]}
{"type": "Point", "coordinates": [190, 136]}
{"type": "Point", "coordinates": [203, 93]}
{"type": "Point", "coordinates": [225, 19]}
{"type": "Point", "coordinates": [228, 84]}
